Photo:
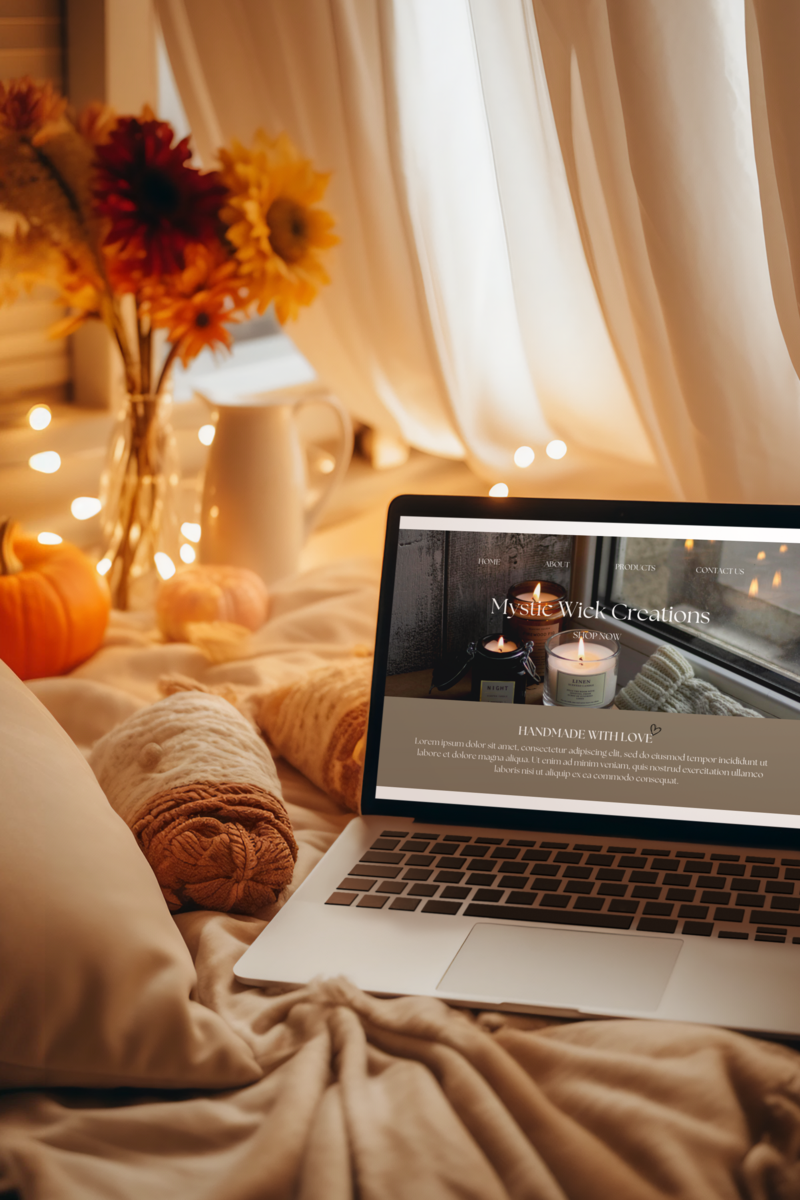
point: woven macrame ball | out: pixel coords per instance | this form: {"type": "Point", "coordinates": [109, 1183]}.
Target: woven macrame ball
{"type": "Point", "coordinates": [198, 788]}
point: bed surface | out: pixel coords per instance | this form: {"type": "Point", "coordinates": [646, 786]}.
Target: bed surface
{"type": "Point", "coordinates": [382, 1098]}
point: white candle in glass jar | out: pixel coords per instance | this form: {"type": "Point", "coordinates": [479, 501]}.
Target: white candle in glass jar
{"type": "Point", "coordinates": [500, 646]}
{"type": "Point", "coordinates": [582, 674]}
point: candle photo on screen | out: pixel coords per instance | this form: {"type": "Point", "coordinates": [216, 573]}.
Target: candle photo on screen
{"type": "Point", "coordinates": [581, 669]}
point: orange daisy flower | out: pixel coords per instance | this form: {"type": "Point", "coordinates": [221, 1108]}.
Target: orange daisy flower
{"type": "Point", "coordinates": [197, 305]}
{"type": "Point", "coordinates": [30, 109]}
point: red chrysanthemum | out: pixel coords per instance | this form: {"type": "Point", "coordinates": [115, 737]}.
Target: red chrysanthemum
{"type": "Point", "coordinates": [157, 204]}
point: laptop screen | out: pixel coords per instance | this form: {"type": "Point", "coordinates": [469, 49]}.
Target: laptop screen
{"type": "Point", "coordinates": [594, 668]}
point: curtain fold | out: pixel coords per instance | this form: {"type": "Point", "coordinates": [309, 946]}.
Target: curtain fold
{"type": "Point", "coordinates": [651, 101]}
{"type": "Point", "coordinates": [552, 221]}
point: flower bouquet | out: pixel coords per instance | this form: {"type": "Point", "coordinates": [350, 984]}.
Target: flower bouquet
{"type": "Point", "coordinates": [111, 213]}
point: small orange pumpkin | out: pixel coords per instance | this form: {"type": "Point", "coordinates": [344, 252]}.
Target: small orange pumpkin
{"type": "Point", "coordinates": [211, 593]}
{"type": "Point", "coordinates": [53, 605]}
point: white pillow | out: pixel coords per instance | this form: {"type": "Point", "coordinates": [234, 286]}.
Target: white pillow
{"type": "Point", "coordinates": [94, 976]}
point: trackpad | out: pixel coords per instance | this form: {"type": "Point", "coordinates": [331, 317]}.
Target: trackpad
{"type": "Point", "coordinates": [562, 968]}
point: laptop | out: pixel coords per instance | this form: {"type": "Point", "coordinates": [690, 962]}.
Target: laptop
{"type": "Point", "coordinates": [580, 788]}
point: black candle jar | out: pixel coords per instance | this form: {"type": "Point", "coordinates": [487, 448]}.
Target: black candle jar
{"type": "Point", "coordinates": [498, 676]}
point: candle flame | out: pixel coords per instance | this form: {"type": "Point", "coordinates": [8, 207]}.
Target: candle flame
{"type": "Point", "coordinates": [500, 644]}
{"type": "Point", "coordinates": [776, 579]}
{"type": "Point", "coordinates": [581, 647]}
{"type": "Point", "coordinates": [753, 589]}
{"type": "Point", "coordinates": [784, 549]}
{"type": "Point", "coordinates": [689, 543]}
{"type": "Point", "coordinates": [761, 554]}
{"type": "Point", "coordinates": [537, 591]}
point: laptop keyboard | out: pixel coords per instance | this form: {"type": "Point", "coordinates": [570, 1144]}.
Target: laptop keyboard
{"type": "Point", "coordinates": [556, 881]}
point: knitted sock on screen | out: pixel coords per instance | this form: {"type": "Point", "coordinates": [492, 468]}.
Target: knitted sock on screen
{"type": "Point", "coordinates": [667, 683]}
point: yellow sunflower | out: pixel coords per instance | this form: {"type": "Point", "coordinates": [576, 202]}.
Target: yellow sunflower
{"type": "Point", "coordinates": [274, 222]}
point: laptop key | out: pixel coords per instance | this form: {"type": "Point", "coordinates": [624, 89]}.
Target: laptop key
{"type": "Point", "coordinates": [629, 906]}
{"type": "Point", "coordinates": [423, 889]}
{"type": "Point", "coordinates": [727, 868]}
{"type": "Point", "coordinates": [384, 843]}
{"type": "Point", "coordinates": [685, 894]}
{"type": "Point", "coordinates": [418, 873]}
{"type": "Point", "coordinates": [491, 895]}
{"type": "Point", "coordinates": [341, 898]}
{"type": "Point", "coordinates": [643, 876]}
{"type": "Point", "coordinates": [392, 886]}
{"type": "Point", "coordinates": [506, 852]}
{"type": "Point", "coordinates": [476, 864]}
{"type": "Point", "coordinates": [579, 887]}
{"type": "Point", "coordinates": [697, 912]}
{"type": "Point", "coordinates": [448, 860]}
{"type": "Point", "coordinates": [745, 885]}
{"type": "Point", "coordinates": [559, 901]}
{"type": "Point", "coordinates": [521, 897]}
{"type": "Point", "coordinates": [420, 860]}
{"type": "Point", "coordinates": [449, 877]}
{"type": "Point", "coordinates": [352, 884]}
{"type": "Point", "coordinates": [577, 872]}
{"type": "Point", "coordinates": [643, 892]}
{"type": "Point", "coordinates": [748, 901]}
{"type": "Point", "coordinates": [698, 928]}
{"type": "Point", "coordinates": [376, 870]}
{"type": "Point", "coordinates": [373, 901]}
{"type": "Point", "coordinates": [480, 879]}
{"type": "Point", "coordinates": [547, 916]}
{"type": "Point", "coordinates": [612, 889]}
{"type": "Point", "coordinates": [733, 914]}
{"type": "Point", "coordinates": [715, 897]}
{"type": "Point", "coordinates": [656, 925]}
{"type": "Point", "coordinates": [654, 909]}
{"type": "Point", "coordinates": [607, 873]}
{"type": "Point", "coordinates": [447, 908]}
{"type": "Point", "coordinates": [405, 904]}
{"type": "Point", "coordinates": [774, 918]}
{"type": "Point", "coordinates": [791, 903]}
{"type": "Point", "coordinates": [786, 889]}
{"type": "Point", "coordinates": [455, 893]}
{"type": "Point", "coordinates": [381, 856]}
{"type": "Point", "coordinates": [589, 903]}
{"type": "Point", "coordinates": [509, 881]}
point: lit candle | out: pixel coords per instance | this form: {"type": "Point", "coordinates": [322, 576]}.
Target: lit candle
{"type": "Point", "coordinates": [500, 646]}
{"type": "Point", "coordinates": [581, 673]}
{"type": "Point", "coordinates": [537, 597]}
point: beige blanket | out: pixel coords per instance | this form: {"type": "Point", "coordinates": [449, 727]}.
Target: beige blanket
{"type": "Point", "coordinates": [402, 1098]}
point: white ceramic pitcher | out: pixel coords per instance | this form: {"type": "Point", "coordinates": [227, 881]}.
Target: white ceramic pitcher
{"type": "Point", "coordinates": [256, 511]}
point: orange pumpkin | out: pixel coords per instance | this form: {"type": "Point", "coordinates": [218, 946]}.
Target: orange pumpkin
{"type": "Point", "coordinates": [53, 605]}
{"type": "Point", "coordinates": [211, 593]}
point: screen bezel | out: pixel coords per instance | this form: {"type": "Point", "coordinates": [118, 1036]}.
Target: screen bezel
{"type": "Point", "coordinates": [588, 512]}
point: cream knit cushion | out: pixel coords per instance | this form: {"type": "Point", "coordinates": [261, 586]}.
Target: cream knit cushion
{"type": "Point", "coordinates": [198, 787]}
{"type": "Point", "coordinates": [667, 683]}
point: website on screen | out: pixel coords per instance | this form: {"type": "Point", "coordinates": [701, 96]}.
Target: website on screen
{"type": "Point", "coordinates": [550, 667]}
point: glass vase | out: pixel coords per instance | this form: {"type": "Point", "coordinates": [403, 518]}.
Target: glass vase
{"type": "Point", "coordinates": [139, 490]}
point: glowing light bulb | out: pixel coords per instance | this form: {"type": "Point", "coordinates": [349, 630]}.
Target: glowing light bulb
{"type": "Point", "coordinates": [47, 462]}
{"type": "Point", "coordinates": [187, 553]}
{"type": "Point", "coordinates": [524, 456]}
{"type": "Point", "coordinates": [499, 489]}
{"type": "Point", "coordinates": [39, 416]}
{"type": "Point", "coordinates": [689, 543]}
{"type": "Point", "coordinates": [776, 579]}
{"type": "Point", "coordinates": [104, 566]}
{"type": "Point", "coordinates": [191, 531]}
{"type": "Point", "coordinates": [753, 589]}
{"type": "Point", "coordinates": [164, 565]}
{"type": "Point", "coordinates": [84, 507]}
{"type": "Point", "coordinates": [761, 554]}
{"type": "Point", "coordinates": [556, 449]}
{"type": "Point", "coordinates": [206, 434]}
{"type": "Point", "coordinates": [49, 539]}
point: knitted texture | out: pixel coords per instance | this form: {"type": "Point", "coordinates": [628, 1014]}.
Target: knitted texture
{"type": "Point", "coordinates": [228, 847]}
{"type": "Point", "coordinates": [667, 683]}
{"type": "Point", "coordinates": [197, 785]}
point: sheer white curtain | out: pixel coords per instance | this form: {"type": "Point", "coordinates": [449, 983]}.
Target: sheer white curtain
{"type": "Point", "coordinates": [550, 221]}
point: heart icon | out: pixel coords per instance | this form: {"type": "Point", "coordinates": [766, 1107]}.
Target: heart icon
{"type": "Point", "coordinates": [654, 729]}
